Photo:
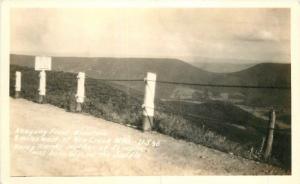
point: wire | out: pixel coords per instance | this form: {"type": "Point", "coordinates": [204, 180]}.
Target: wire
{"type": "Point", "coordinates": [119, 80]}
{"type": "Point", "coordinates": [226, 86]}
{"type": "Point", "coordinates": [91, 80]}
{"type": "Point", "coordinates": [186, 83]}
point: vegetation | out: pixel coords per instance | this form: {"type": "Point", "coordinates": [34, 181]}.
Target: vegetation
{"type": "Point", "coordinates": [215, 124]}
{"type": "Point", "coordinates": [265, 74]}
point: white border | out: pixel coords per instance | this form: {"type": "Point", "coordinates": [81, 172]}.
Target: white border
{"type": "Point", "coordinates": [4, 95]}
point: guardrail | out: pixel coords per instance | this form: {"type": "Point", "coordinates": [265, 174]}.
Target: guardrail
{"type": "Point", "coordinates": [148, 107]}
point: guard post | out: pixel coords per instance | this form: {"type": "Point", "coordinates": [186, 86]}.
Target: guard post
{"type": "Point", "coordinates": [80, 91]}
{"type": "Point", "coordinates": [42, 86]}
{"type": "Point", "coordinates": [18, 84]}
{"type": "Point", "coordinates": [148, 106]}
{"type": "Point", "coordinates": [269, 142]}
{"type": "Point", "coordinates": [42, 64]}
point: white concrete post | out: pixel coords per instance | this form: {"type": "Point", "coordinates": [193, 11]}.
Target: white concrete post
{"type": "Point", "coordinates": [148, 106]}
{"type": "Point", "coordinates": [80, 91]}
{"type": "Point", "coordinates": [18, 84]}
{"type": "Point", "coordinates": [42, 87]}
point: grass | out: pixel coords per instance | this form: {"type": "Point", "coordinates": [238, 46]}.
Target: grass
{"type": "Point", "coordinates": [107, 101]}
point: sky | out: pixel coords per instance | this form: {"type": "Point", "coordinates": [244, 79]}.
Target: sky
{"type": "Point", "coordinates": [189, 34]}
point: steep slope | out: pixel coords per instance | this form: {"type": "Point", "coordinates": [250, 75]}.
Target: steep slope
{"type": "Point", "coordinates": [271, 74]}
{"type": "Point", "coordinates": [266, 74]}
{"type": "Point", "coordinates": [166, 69]}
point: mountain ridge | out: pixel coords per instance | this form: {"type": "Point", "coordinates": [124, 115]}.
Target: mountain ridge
{"type": "Point", "coordinates": [27, 60]}
{"type": "Point", "coordinates": [175, 70]}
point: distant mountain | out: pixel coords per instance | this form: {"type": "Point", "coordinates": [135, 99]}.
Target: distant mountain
{"type": "Point", "coordinates": [266, 74]}
{"type": "Point", "coordinates": [166, 69]}
{"type": "Point", "coordinates": [225, 65]}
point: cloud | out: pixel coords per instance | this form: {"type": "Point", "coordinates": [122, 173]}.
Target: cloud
{"type": "Point", "coordinates": [175, 33]}
{"type": "Point", "coordinates": [259, 36]}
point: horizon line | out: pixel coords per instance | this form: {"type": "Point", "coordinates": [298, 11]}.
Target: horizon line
{"type": "Point", "coordinates": [255, 61]}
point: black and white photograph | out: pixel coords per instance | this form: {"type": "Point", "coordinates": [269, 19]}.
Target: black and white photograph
{"type": "Point", "coordinates": [149, 91]}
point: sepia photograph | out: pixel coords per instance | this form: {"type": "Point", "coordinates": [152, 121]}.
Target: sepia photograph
{"type": "Point", "coordinates": [109, 91]}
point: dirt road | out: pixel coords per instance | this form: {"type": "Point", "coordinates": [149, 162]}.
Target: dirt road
{"type": "Point", "coordinates": [157, 154]}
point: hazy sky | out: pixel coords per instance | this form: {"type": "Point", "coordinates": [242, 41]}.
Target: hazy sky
{"type": "Point", "coordinates": [188, 34]}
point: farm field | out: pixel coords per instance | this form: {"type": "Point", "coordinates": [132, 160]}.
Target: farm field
{"type": "Point", "coordinates": [171, 157]}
